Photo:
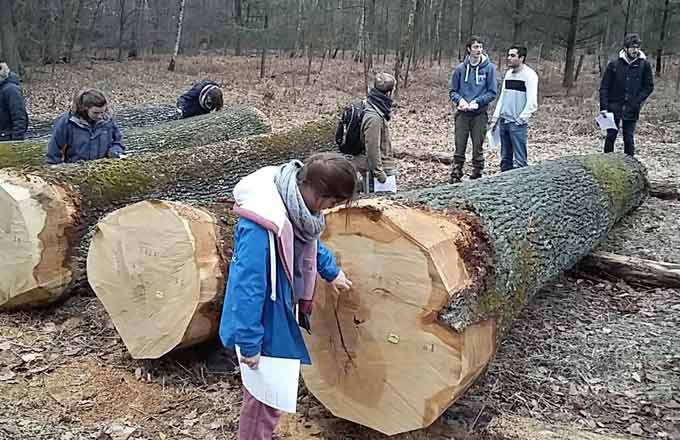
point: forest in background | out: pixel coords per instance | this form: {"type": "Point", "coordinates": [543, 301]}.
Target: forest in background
{"type": "Point", "coordinates": [414, 32]}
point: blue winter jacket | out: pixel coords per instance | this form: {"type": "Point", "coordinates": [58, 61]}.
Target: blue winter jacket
{"type": "Point", "coordinates": [13, 116]}
{"type": "Point", "coordinates": [476, 83]}
{"type": "Point", "coordinates": [189, 103]}
{"type": "Point", "coordinates": [74, 139]}
{"type": "Point", "coordinates": [250, 318]}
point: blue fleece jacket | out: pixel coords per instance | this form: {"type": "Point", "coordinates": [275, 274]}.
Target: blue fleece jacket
{"type": "Point", "coordinates": [474, 83]}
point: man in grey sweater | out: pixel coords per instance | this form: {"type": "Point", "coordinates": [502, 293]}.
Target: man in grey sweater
{"type": "Point", "coordinates": [517, 102]}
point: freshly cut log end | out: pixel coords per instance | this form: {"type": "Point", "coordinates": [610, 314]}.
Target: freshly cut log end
{"type": "Point", "coordinates": [156, 267]}
{"type": "Point", "coordinates": [34, 228]}
{"type": "Point", "coordinates": [380, 356]}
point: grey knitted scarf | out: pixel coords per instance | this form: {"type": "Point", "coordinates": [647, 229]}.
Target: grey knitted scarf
{"type": "Point", "coordinates": [306, 225]}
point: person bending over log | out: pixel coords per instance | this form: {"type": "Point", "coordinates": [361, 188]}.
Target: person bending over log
{"type": "Point", "coordinates": [203, 97]}
{"type": "Point", "coordinates": [277, 255]}
{"type": "Point", "coordinates": [86, 132]}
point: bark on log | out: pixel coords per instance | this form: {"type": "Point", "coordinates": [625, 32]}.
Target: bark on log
{"type": "Point", "coordinates": [667, 190]}
{"type": "Point", "coordinates": [158, 268]}
{"type": "Point", "coordinates": [633, 270]}
{"type": "Point", "coordinates": [130, 117]}
{"type": "Point", "coordinates": [230, 123]}
{"type": "Point", "coordinates": [440, 273]}
{"type": "Point", "coordinates": [50, 209]}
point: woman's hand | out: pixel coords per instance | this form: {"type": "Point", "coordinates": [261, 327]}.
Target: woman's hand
{"type": "Point", "coordinates": [341, 282]}
{"type": "Point", "coordinates": [252, 361]}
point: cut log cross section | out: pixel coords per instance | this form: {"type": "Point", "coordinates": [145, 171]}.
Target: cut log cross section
{"type": "Point", "coordinates": [157, 268]}
{"type": "Point", "coordinates": [439, 275]}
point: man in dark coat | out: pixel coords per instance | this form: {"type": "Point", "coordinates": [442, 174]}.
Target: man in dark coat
{"type": "Point", "coordinates": [13, 116]}
{"type": "Point", "coordinates": [626, 84]}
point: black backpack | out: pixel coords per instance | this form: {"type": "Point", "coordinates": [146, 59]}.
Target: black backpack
{"type": "Point", "coordinates": [348, 133]}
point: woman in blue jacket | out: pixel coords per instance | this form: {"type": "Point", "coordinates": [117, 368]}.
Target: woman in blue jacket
{"type": "Point", "coordinates": [86, 132]}
{"type": "Point", "coordinates": [277, 255]}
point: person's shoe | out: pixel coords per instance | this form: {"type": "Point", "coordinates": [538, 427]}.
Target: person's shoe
{"type": "Point", "coordinates": [476, 175]}
{"type": "Point", "coordinates": [454, 178]}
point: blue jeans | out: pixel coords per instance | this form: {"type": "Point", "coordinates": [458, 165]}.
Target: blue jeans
{"type": "Point", "coordinates": [513, 145]}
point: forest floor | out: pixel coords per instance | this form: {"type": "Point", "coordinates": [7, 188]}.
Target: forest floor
{"type": "Point", "coordinates": [588, 358]}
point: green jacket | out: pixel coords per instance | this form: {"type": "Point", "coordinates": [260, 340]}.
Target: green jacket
{"type": "Point", "coordinates": [375, 134]}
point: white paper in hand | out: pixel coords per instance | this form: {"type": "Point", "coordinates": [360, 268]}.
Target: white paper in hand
{"type": "Point", "coordinates": [493, 138]}
{"type": "Point", "coordinates": [606, 121]}
{"type": "Point", "coordinates": [390, 185]}
{"type": "Point", "coordinates": [274, 383]}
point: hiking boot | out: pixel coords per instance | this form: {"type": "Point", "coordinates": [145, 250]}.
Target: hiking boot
{"type": "Point", "coordinates": [456, 173]}
{"type": "Point", "coordinates": [476, 174]}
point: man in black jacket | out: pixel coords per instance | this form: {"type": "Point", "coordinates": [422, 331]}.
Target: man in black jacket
{"type": "Point", "coordinates": [13, 116]}
{"type": "Point", "coordinates": [626, 84]}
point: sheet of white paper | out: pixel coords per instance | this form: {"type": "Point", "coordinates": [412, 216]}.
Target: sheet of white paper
{"type": "Point", "coordinates": [493, 138]}
{"type": "Point", "coordinates": [606, 121]}
{"type": "Point", "coordinates": [274, 383]}
{"type": "Point", "coordinates": [390, 185]}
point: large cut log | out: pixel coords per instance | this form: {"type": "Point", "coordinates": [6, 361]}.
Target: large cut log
{"type": "Point", "coordinates": [47, 211]}
{"type": "Point", "coordinates": [128, 117]}
{"type": "Point", "coordinates": [633, 270]}
{"type": "Point", "coordinates": [158, 268]}
{"type": "Point", "coordinates": [230, 123]}
{"type": "Point", "coordinates": [438, 276]}
{"type": "Point", "coordinates": [667, 190]}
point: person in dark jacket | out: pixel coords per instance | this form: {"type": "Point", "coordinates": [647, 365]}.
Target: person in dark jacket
{"type": "Point", "coordinates": [204, 97]}
{"type": "Point", "coordinates": [626, 84]}
{"type": "Point", "coordinates": [13, 116]}
{"type": "Point", "coordinates": [273, 271]}
{"type": "Point", "coordinates": [86, 132]}
{"type": "Point", "coordinates": [473, 87]}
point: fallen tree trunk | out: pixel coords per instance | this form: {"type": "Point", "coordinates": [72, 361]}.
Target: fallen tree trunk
{"type": "Point", "coordinates": [159, 271]}
{"type": "Point", "coordinates": [129, 117]}
{"type": "Point", "coordinates": [439, 275]}
{"type": "Point", "coordinates": [45, 213]}
{"type": "Point", "coordinates": [635, 271]}
{"type": "Point", "coordinates": [667, 190]}
{"type": "Point", "coordinates": [230, 123]}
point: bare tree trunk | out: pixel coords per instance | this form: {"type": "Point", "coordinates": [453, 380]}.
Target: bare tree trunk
{"type": "Point", "coordinates": [411, 38]}
{"type": "Point", "coordinates": [407, 42]}
{"type": "Point", "coordinates": [238, 24]}
{"type": "Point", "coordinates": [359, 52]}
{"type": "Point", "coordinates": [401, 46]}
{"type": "Point", "coordinates": [602, 52]}
{"type": "Point", "coordinates": [441, 19]}
{"type": "Point", "coordinates": [299, 43]}
{"type": "Point", "coordinates": [75, 30]}
{"type": "Point", "coordinates": [625, 26]}
{"type": "Point", "coordinates": [121, 28]}
{"type": "Point", "coordinates": [460, 29]}
{"type": "Point", "coordinates": [93, 24]}
{"type": "Point", "coordinates": [568, 80]}
{"type": "Point", "coordinates": [579, 65]}
{"type": "Point", "coordinates": [265, 46]}
{"type": "Point", "coordinates": [386, 39]}
{"type": "Point", "coordinates": [662, 36]}
{"type": "Point", "coordinates": [517, 20]}
{"type": "Point", "coordinates": [178, 38]}
{"type": "Point", "coordinates": [8, 40]}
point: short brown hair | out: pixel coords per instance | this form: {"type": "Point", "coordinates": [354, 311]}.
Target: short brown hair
{"type": "Point", "coordinates": [473, 39]}
{"type": "Point", "coordinates": [330, 175]}
{"type": "Point", "coordinates": [84, 99]}
{"type": "Point", "coordinates": [214, 96]}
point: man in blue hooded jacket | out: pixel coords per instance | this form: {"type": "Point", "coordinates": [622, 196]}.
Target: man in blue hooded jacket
{"type": "Point", "coordinates": [13, 116]}
{"type": "Point", "coordinates": [472, 88]}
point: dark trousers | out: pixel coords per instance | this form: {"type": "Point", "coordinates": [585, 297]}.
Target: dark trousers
{"type": "Point", "coordinates": [474, 127]}
{"type": "Point", "coordinates": [628, 139]}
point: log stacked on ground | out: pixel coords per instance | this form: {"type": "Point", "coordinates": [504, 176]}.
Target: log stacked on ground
{"type": "Point", "coordinates": [439, 274]}
{"type": "Point", "coordinates": [129, 117]}
{"type": "Point", "coordinates": [230, 123]}
{"type": "Point", "coordinates": [88, 190]}
{"type": "Point", "coordinates": [633, 270]}
{"type": "Point", "coordinates": [158, 268]}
